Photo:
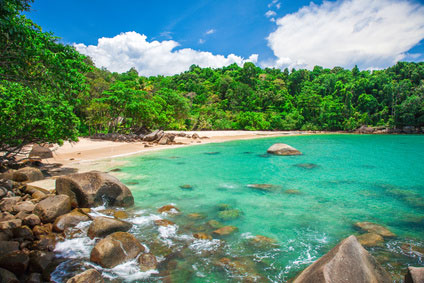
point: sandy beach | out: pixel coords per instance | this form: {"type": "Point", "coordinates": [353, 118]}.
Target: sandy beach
{"type": "Point", "coordinates": [75, 154]}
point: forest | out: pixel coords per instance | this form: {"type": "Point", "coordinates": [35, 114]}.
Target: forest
{"type": "Point", "coordinates": [50, 93]}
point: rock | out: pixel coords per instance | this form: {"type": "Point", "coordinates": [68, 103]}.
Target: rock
{"type": "Point", "coordinates": [52, 207]}
{"type": "Point", "coordinates": [7, 204]}
{"type": "Point", "coordinates": [94, 188]}
{"type": "Point", "coordinates": [103, 226]}
{"type": "Point", "coordinates": [30, 189]}
{"type": "Point", "coordinates": [23, 206]}
{"type": "Point", "coordinates": [226, 230]}
{"type": "Point", "coordinates": [120, 214]}
{"type": "Point", "coordinates": [262, 240]}
{"type": "Point", "coordinates": [40, 151]}
{"type": "Point", "coordinates": [414, 275]}
{"type": "Point", "coordinates": [3, 192]}
{"type": "Point", "coordinates": [169, 209]}
{"type": "Point", "coordinates": [306, 165]}
{"type": "Point", "coordinates": [370, 240]}
{"type": "Point", "coordinates": [8, 247]}
{"type": "Point", "coordinates": [115, 249]}
{"type": "Point", "coordinates": [215, 224]}
{"type": "Point", "coordinates": [70, 219]}
{"type": "Point", "coordinates": [241, 269]}
{"type": "Point", "coordinates": [23, 233]}
{"type": "Point", "coordinates": [35, 278]}
{"type": "Point", "coordinates": [292, 192]}
{"type": "Point", "coordinates": [195, 136]}
{"type": "Point", "coordinates": [202, 236]}
{"type": "Point", "coordinates": [229, 214]}
{"type": "Point", "coordinates": [196, 216]}
{"type": "Point", "coordinates": [409, 130]}
{"type": "Point", "coordinates": [164, 140]}
{"type": "Point", "coordinates": [365, 130]}
{"type": "Point", "coordinates": [16, 262]}
{"type": "Point", "coordinates": [4, 216]}
{"type": "Point", "coordinates": [147, 262]}
{"type": "Point", "coordinates": [88, 276]}
{"type": "Point", "coordinates": [347, 262]}
{"type": "Point", "coordinates": [28, 174]}
{"type": "Point", "coordinates": [186, 187]}
{"type": "Point", "coordinates": [283, 149]}
{"type": "Point", "coordinates": [31, 220]}
{"type": "Point", "coordinates": [224, 206]}
{"type": "Point", "coordinates": [10, 224]}
{"type": "Point", "coordinates": [262, 187]}
{"type": "Point", "coordinates": [45, 243]}
{"type": "Point", "coordinates": [7, 277]}
{"type": "Point", "coordinates": [155, 135]}
{"type": "Point", "coordinates": [374, 228]}
{"type": "Point", "coordinates": [164, 222]}
{"type": "Point", "coordinates": [39, 261]}
{"type": "Point", "coordinates": [44, 229]}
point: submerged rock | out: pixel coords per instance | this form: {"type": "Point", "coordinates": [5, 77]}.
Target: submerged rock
{"type": "Point", "coordinates": [103, 226]}
{"type": "Point", "coordinates": [229, 214]}
{"type": "Point", "coordinates": [370, 240]}
{"type": "Point", "coordinates": [115, 249]}
{"type": "Point", "coordinates": [347, 262]}
{"type": "Point", "coordinates": [52, 207]}
{"type": "Point", "coordinates": [263, 187]}
{"type": "Point", "coordinates": [94, 188]}
{"type": "Point", "coordinates": [226, 230]}
{"type": "Point", "coordinates": [283, 149]}
{"type": "Point", "coordinates": [186, 187]}
{"type": "Point", "coordinates": [202, 236]}
{"type": "Point", "coordinates": [414, 275]}
{"type": "Point", "coordinates": [163, 222]}
{"type": "Point", "coordinates": [375, 228]}
{"type": "Point", "coordinates": [241, 269]}
{"type": "Point", "coordinates": [88, 276]}
{"type": "Point", "coordinates": [306, 165]}
{"type": "Point", "coordinates": [169, 209]}
{"type": "Point", "coordinates": [215, 224]}
{"type": "Point", "coordinates": [196, 216]}
{"type": "Point", "coordinates": [292, 192]}
{"type": "Point", "coordinates": [262, 240]}
{"type": "Point", "coordinates": [147, 262]}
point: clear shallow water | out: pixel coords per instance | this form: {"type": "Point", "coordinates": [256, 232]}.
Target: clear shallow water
{"type": "Point", "coordinates": [348, 178]}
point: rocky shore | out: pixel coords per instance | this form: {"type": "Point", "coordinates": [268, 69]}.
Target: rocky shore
{"type": "Point", "coordinates": [33, 220]}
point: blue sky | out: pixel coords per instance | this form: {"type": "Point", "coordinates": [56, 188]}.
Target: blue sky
{"type": "Point", "coordinates": [269, 33]}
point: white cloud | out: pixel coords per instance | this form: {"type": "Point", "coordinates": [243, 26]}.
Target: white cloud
{"type": "Point", "coordinates": [369, 33]}
{"type": "Point", "coordinates": [273, 2]}
{"type": "Point", "coordinates": [270, 14]}
{"type": "Point", "coordinates": [278, 6]}
{"type": "Point", "coordinates": [131, 49]}
{"type": "Point", "coordinates": [211, 31]}
{"type": "Point", "coordinates": [201, 41]}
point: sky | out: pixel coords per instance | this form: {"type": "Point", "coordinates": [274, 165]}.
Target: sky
{"type": "Point", "coordinates": [167, 37]}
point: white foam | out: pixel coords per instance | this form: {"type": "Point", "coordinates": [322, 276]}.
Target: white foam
{"type": "Point", "coordinates": [129, 271]}
{"type": "Point", "coordinates": [145, 220]}
{"type": "Point", "coordinates": [199, 246]}
{"type": "Point", "coordinates": [75, 248]}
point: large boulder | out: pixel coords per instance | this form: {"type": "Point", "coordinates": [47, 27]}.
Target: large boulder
{"type": "Point", "coordinates": [103, 226]}
{"type": "Point", "coordinates": [153, 136]}
{"type": "Point", "coordinates": [52, 207]}
{"type": "Point", "coordinates": [70, 219]}
{"type": "Point", "coordinates": [91, 275]}
{"type": "Point", "coordinates": [16, 262]}
{"type": "Point", "coordinates": [94, 188]}
{"type": "Point", "coordinates": [8, 247]}
{"type": "Point", "coordinates": [40, 151]}
{"type": "Point", "coordinates": [28, 174]}
{"type": "Point", "coordinates": [283, 149]}
{"type": "Point", "coordinates": [414, 275]}
{"type": "Point", "coordinates": [347, 262]}
{"type": "Point", "coordinates": [115, 249]}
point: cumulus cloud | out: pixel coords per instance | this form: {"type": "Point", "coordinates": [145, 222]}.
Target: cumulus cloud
{"type": "Point", "coordinates": [369, 33]}
{"type": "Point", "coordinates": [131, 49]}
{"type": "Point", "coordinates": [211, 31]}
{"type": "Point", "coordinates": [270, 13]}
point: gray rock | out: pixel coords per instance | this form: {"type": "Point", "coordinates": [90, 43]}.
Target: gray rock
{"type": "Point", "coordinates": [347, 262]}
{"type": "Point", "coordinates": [52, 207]}
{"type": "Point", "coordinates": [103, 226]}
{"type": "Point", "coordinates": [153, 136]}
{"type": "Point", "coordinates": [414, 275]}
{"type": "Point", "coordinates": [283, 149]}
{"type": "Point", "coordinates": [94, 188]}
{"type": "Point", "coordinates": [40, 151]}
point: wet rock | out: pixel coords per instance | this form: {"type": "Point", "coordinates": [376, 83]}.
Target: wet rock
{"type": "Point", "coordinates": [115, 249]}
{"type": "Point", "coordinates": [163, 222]}
{"type": "Point", "coordinates": [7, 277]}
{"type": "Point", "coordinates": [94, 188]}
{"type": "Point", "coordinates": [370, 240]}
{"type": "Point", "coordinates": [186, 187]}
{"type": "Point", "coordinates": [45, 243]}
{"type": "Point", "coordinates": [241, 270]}
{"type": "Point", "coordinates": [229, 214]}
{"type": "Point", "coordinates": [224, 231]}
{"type": "Point", "coordinates": [88, 276]}
{"type": "Point", "coordinates": [260, 240]}
{"type": "Point", "coordinates": [196, 216]}
{"type": "Point", "coordinates": [28, 174]}
{"type": "Point", "coordinates": [40, 261]}
{"type": "Point", "coordinates": [40, 151]}
{"type": "Point", "coordinates": [212, 153]}
{"type": "Point", "coordinates": [169, 209]}
{"type": "Point", "coordinates": [70, 219]}
{"type": "Point", "coordinates": [283, 149]}
{"type": "Point", "coordinates": [103, 226]}
{"type": "Point", "coordinates": [44, 229]}
{"type": "Point", "coordinates": [215, 224]}
{"type": "Point", "coordinates": [8, 247]}
{"type": "Point", "coordinates": [147, 262]}
{"type": "Point", "coordinates": [35, 278]}
{"type": "Point", "coordinates": [347, 262]}
{"type": "Point", "coordinates": [120, 214]}
{"type": "Point", "coordinates": [374, 228]}
{"type": "Point", "coordinates": [202, 236]}
{"type": "Point", "coordinates": [16, 262]}
{"type": "Point", "coordinates": [52, 207]}
{"type": "Point", "coordinates": [10, 224]}
{"type": "Point", "coordinates": [306, 165]}
{"type": "Point", "coordinates": [414, 275]}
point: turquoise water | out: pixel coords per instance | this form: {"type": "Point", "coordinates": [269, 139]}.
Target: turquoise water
{"type": "Point", "coordinates": [344, 179]}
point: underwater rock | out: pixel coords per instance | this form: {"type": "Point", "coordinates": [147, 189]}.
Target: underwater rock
{"type": "Point", "coordinates": [116, 170]}
{"type": "Point", "coordinates": [163, 222]}
{"type": "Point", "coordinates": [196, 216]}
{"type": "Point", "coordinates": [262, 187]}
{"type": "Point", "coordinates": [103, 226]}
{"type": "Point", "coordinates": [94, 188]}
{"type": "Point", "coordinates": [292, 192]}
{"type": "Point", "coordinates": [169, 209]}
{"type": "Point", "coordinates": [283, 149]}
{"type": "Point", "coordinates": [88, 276]}
{"type": "Point", "coordinates": [212, 153]}
{"type": "Point", "coordinates": [224, 231]}
{"type": "Point", "coordinates": [241, 269]}
{"type": "Point", "coordinates": [186, 187]}
{"type": "Point", "coordinates": [115, 249]}
{"type": "Point", "coordinates": [70, 219]}
{"type": "Point", "coordinates": [202, 236]}
{"type": "Point", "coordinates": [306, 165]}
{"type": "Point", "coordinates": [414, 275]}
{"type": "Point", "coordinates": [370, 240]}
{"type": "Point", "coordinates": [224, 206]}
{"type": "Point", "coordinates": [52, 207]}
{"type": "Point", "coordinates": [215, 224]}
{"type": "Point", "coordinates": [375, 228]}
{"type": "Point", "coordinates": [346, 262]}
{"type": "Point", "coordinates": [147, 262]}
{"type": "Point", "coordinates": [262, 240]}
{"type": "Point", "coordinates": [229, 214]}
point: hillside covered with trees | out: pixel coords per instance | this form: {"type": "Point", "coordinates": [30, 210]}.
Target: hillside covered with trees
{"type": "Point", "coordinates": [49, 92]}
